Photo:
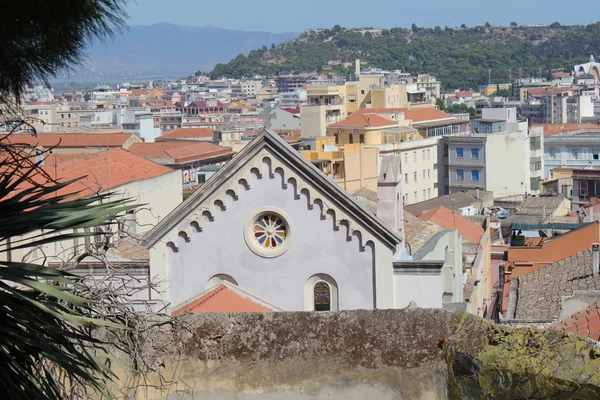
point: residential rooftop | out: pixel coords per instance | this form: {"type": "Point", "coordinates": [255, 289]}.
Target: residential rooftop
{"type": "Point", "coordinates": [540, 292]}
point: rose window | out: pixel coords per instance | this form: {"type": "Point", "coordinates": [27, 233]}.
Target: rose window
{"type": "Point", "coordinates": [270, 231]}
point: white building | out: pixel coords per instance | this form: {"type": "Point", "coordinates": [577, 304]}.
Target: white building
{"type": "Point", "coordinates": [157, 189]}
{"type": "Point", "coordinates": [419, 161]}
{"type": "Point", "coordinates": [273, 224]}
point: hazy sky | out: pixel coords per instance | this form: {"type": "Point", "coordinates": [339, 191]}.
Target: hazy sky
{"type": "Point", "coordinates": [299, 15]}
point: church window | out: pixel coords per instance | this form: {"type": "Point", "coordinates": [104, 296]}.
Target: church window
{"type": "Point", "coordinates": [270, 231]}
{"type": "Point", "coordinates": [322, 297]}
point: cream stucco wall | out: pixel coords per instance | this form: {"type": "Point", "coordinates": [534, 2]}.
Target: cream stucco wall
{"type": "Point", "coordinates": [507, 163]}
{"type": "Point", "coordinates": [447, 247]}
{"type": "Point", "coordinates": [418, 156]}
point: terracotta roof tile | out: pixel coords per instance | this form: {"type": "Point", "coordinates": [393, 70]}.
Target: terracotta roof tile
{"type": "Point", "coordinates": [103, 171]}
{"type": "Point", "coordinates": [553, 129]}
{"type": "Point", "coordinates": [540, 292]}
{"type": "Point", "coordinates": [416, 115]}
{"type": "Point", "coordinates": [584, 323]}
{"type": "Point", "coordinates": [364, 120]}
{"type": "Point", "coordinates": [221, 299]}
{"type": "Point", "coordinates": [425, 114]}
{"type": "Point", "coordinates": [178, 151]}
{"type": "Point", "coordinates": [61, 140]}
{"type": "Point", "coordinates": [188, 133]}
{"type": "Point", "coordinates": [470, 231]}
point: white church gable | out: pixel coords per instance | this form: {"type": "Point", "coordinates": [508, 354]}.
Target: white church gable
{"type": "Point", "coordinates": [275, 226]}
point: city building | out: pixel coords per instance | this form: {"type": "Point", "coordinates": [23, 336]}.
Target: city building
{"type": "Point", "coordinates": [430, 83]}
{"type": "Point", "coordinates": [586, 187]}
{"type": "Point", "coordinates": [574, 146]}
{"type": "Point", "coordinates": [271, 203]}
{"type": "Point", "coordinates": [352, 166]}
{"type": "Point", "coordinates": [505, 163]}
{"type": "Point", "coordinates": [591, 68]}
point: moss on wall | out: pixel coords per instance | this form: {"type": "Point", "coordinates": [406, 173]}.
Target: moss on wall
{"type": "Point", "coordinates": [489, 361]}
{"type": "Point", "coordinates": [411, 353]}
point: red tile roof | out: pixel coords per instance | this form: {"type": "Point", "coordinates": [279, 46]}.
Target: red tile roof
{"type": "Point", "coordinates": [425, 115]}
{"type": "Point", "coordinates": [416, 115]}
{"type": "Point", "coordinates": [102, 171]}
{"type": "Point", "coordinates": [188, 133]}
{"type": "Point", "coordinates": [464, 94]}
{"type": "Point", "coordinates": [552, 129]}
{"type": "Point", "coordinates": [221, 299]}
{"type": "Point", "coordinates": [584, 323]}
{"type": "Point", "coordinates": [470, 231]}
{"type": "Point", "coordinates": [541, 91]}
{"type": "Point", "coordinates": [63, 140]}
{"type": "Point", "coordinates": [364, 120]}
{"type": "Point", "coordinates": [561, 74]}
{"type": "Point", "coordinates": [178, 151]}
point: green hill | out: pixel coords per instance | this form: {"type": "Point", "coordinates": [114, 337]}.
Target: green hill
{"type": "Point", "coordinates": [460, 58]}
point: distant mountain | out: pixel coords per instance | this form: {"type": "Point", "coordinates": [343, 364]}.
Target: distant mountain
{"type": "Point", "coordinates": [459, 57]}
{"type": "Point", "coordinates": [173, 48]}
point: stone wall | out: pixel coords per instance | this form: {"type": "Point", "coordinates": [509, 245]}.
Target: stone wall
{"type": "Point", "coordinates": [382, 354]}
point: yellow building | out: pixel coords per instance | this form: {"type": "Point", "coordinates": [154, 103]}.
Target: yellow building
{"type": "Point", "coordinates": [328, 104]}
{"type": "Point", "coordinates": [365, 128]}
{"type": "Point", "coordinates": [488, 90]}
{"type": "Point", "coordinates": [352, 166]}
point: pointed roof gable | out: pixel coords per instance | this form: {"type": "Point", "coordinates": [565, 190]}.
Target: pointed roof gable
{"type": "Point", "coordinates": [296, 162]}
{"type": "Point", "coordinates": [225, 297]}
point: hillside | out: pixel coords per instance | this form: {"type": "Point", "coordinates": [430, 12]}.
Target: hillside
{"type": "Point", "coordinates": [175, 48]}
{"type": "Point", "coordinates": [459, 57]}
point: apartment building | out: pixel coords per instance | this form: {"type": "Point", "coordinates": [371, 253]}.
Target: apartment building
{"type": "Point", "coordinates": [506, 163]}
{"type": "Point", "coordinates": [352, 166]}
{"type": "Point", "coordinates": [429, 83]}
{"type": "Point", "coordinates": [419, 169]}
{"type": "Point", "coordinates": [328, 104]}
{"type": "Point", "coordinates": [586, 188]}
{"type": "Point", "coordinates": [574, 146]}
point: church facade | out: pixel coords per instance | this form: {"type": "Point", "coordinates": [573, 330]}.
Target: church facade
{"type": "Point", "coordinates": [590, 68]}
{"type": "Point", "coordinates": [274, 225]}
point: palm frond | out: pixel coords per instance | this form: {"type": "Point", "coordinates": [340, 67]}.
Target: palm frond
{"type": "Point", "coordinates": [46, 316]}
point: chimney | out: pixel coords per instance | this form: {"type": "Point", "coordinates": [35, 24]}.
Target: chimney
{"type": "Point", "coordinates": [477, 193]}
{"type": "Point", "coordinates": [596, 258]}
{"type": "Point", "coordinates": [357, 68]}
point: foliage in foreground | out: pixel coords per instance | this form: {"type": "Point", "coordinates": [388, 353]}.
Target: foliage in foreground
{"type": "Point", "coordinates": [40, 38]}
{"type": "Point", "coordinates": [46, 318]}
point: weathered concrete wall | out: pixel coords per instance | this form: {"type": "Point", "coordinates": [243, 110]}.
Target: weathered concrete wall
{"type": "Point", "coordinates": [381, 354]}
